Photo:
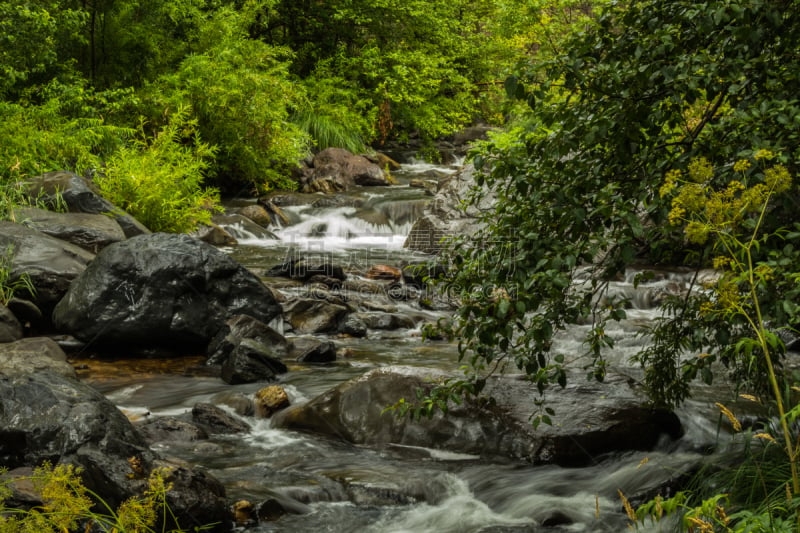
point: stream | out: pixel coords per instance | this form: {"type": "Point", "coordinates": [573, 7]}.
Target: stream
{"type": "Point", "coordinates": [334, 486]}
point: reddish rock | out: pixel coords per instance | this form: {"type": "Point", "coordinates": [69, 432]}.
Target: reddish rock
{"type": "Point", "coordinates": [384, 272]}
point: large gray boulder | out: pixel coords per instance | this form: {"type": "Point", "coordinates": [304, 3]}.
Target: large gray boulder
{"type": "Point", "coordinates": [51, 264]}
{"type": "Point", "coordinates": [445, 217]}
{"type": "Point", "coordinates": [161, 290]}
{"type": "Point", "coordinates": [90, 232]}
{"type": "Point", "coordinates": [10, 328]}
{"type": "Point", "coordinates": [80, 196]}
{"type": "Point", "coordinates": [591, 419]}
{"type": "Point", "coordinates": [336, 169]}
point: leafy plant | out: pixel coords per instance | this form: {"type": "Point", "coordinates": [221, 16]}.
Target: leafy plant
{"type": "Point", "coordinates": [159, 180]}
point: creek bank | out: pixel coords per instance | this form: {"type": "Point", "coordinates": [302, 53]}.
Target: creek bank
{"type": "Point", "coordinates": [595, 419]}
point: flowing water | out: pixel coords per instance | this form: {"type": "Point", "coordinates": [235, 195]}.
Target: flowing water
{"type": "Point", "coordinates": [334, 486]}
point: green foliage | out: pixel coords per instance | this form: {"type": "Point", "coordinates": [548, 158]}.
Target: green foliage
{"type": "Point", "coordinates": [159, 180]}
{"type": "Point", "coordinates": [69, 506]}
{"type": "Point", "coordinates": [649, 88]}
{"type": "Point", "coordinates": [240, 94]}
{"type": "Point", "coordinates": [334, 114]}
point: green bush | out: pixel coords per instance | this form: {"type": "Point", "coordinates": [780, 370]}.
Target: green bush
{"type": "Point", "coordinates": [159, 180]}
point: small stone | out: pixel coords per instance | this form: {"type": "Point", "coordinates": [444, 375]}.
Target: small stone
{"type": "Point", "coordinates": [270, 400]}
{"type": "Point", "coordinates": [384, 272]}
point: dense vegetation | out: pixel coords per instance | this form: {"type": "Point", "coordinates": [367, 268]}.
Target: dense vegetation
{"type": "Point", "coordinates": [666, 133]}
{"type": "Point", "coordinates": [247, 87]}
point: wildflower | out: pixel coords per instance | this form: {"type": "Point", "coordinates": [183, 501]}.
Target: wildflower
{"type": "Point", "coordinates": [706, 308]}
{"type": "Point", "coordinates": [764, 154]}
{"type": "Point", "coordinates": [721, 261]}
{"type": "Point", "coordinates": [696, 232]}
{"type": "Point", "coordinates": [777, 178]}
{"type": "Point", "coordinates": [670, 182]}
{"type": "Point", "coordinates": [700, 170]}
{"type": "Point", "coordinates": [741, 165]}
{"type": "Point", "coordinates": [764, 272]}
{"type": "Point", "coordinates": [676, 215]}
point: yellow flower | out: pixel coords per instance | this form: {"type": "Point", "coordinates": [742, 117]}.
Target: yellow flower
{"type": "Point", "coordinates": [670, 182]}
{"type": "Point", "coordinates": [764, 154]}
{"type": "Point", "coordinates": [777, 178]}
{"type": "Point", "coordinates": [700, 170]}
{"type": "Point", "coordinates": [676, 215]}
{"type": "Point", "coordinates": [741, 165]}
{"type": "Point", "coordinates": [696, 232]}
{"type": "Point", "coordinates": [721, 261]}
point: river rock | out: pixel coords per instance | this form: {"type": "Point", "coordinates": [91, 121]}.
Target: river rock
{"type": "Point", "coordinates": [384, 272]}
{"type": "Point", "coordinates": [171, 429]}
{"type": "Point", "coordinates": [308, 315]}
{"type": "Point", "coordinates": [307, 350]}
{"type": "Point", "coordinates": [90, 232]}
{"type": "Point", "coordinates": [241, 403]}
{"type": "Point", "coordinates": [249, 362]}
{"type": "Point", "coordinates": [242, 228]}
{"type": "Point", "coordinates": [80, 196]}
{"type": "Point", "coordinates": [34, 354]}
{"type": "Point", "coordinates": [445, 217]}
{"type": "Point", "coordinates": [352, 325]}
{"type": "Point", "coordinates": [385, 321]}
{"type": "Point", "coordinates": [10, 328]}
{"type": "Point", "coordinates": [257, 214]}
{"type": "Point", "coordinates": [306, 268]}
{"type": "Point", "coordinates": [270, 400]}
{"type": "Point", "coordinates": [591, 419]}
{"type": "Point", "coordinates": [50, 263]}
{"type": "Point", "coordinates": [241, 327]}
{"type": "Point", "coordinates": [216, 420]}
{"type": "Point", "coordinates": [214, 235]}
{"type": "Point", "coordinates": [337, 169]}
{"type": "Point", "coordinates": [45, 416]}
{"type": "Point", "coordinates": [161, 290]}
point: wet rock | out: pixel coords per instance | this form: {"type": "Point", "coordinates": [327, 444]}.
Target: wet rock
{"type": "Point", "coordinates": [353, 326]}
{"type": "Point", "coordinates": [25, 311]}
{"type": "Point", "coordinates": [400, 291]}
{"type": "Point", "coordinates": [171, 429]}
{"type": "Point", "coordinates": [307, 350]}
{"type": "Point", "coordinates": [10, 328]}
{"type": "Point", "coordinates": [215, 420]}
{"type": "Point", "coordinates": [314, 316]}
{"type": "Point", "coordinates": [244, 513]}
{"type": "Point", "coordinates": [241, 327]}
{"type": "Point", "coordinates": [196, 498]}
{"type": "Point", "coordinates": [385, 321]}
{"type": "Point", "coordinates": [257, 214]}
{"type": "Point", "coordinates": [241, 404]}
{"type": "Point", "coordinates": [277, 215]}
{"type": "Point", "coordinates": [80, 196]}
{"type": "Point", "coordinates": [383, 161]}
{"type": "Point", "coordinates": [90, 232]}
{"type": "Point", "coordinates": [593, 419]}
{"type": "Point", "coordinates": [34, 354]}
{"type": "Point", "coordinates": [384, 272]}
{"type": "Point", "coordinates": [305, 269]}
{"type": "Point", "coordinates": [363, 288]}
{"type": "Point", "coordinates": [250, 362]}
{"type": "Point", "coordinates": [49, 417]}
{"type": "Point", "coordinates": [242, 228]}
{"type": "Point", "coordinates": [51, 264]}
{"type": "Point", "coordinates": [270, 400]}
{"type": "Point", "coordinates": [444, 216]}
{"type": "Point", "coordinates": [214, 235]}
{"type": "Point", "coordinates": [326, 281]}
{"type": "Point", "coordinates": [161, 290]}
{"type": "Point", "coordinates": [336, 169]}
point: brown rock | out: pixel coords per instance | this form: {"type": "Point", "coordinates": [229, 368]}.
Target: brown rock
{"type": "Point", "coordinates": [270, 400]}
{"type": "Point", "coordinates": [257, 214]}
{"type": "Point", "coordinates": [384, 272]}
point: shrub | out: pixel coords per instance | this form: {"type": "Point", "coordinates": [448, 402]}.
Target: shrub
{"type": "Point", "coordinates": [159, 180]}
